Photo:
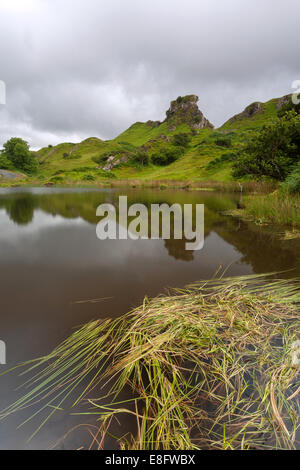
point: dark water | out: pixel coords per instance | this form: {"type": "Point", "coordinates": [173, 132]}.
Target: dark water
{"type": "Point", "coordinates": [51, 258]}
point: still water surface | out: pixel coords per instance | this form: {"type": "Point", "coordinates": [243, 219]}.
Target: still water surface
{"type": "Point", "coordinates": [51, 259]}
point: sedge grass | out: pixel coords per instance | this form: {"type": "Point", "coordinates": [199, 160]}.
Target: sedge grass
{"type": "Point", "coordinates": [279, 208]}
{"type": "Point", "coordinates": [210, 367]}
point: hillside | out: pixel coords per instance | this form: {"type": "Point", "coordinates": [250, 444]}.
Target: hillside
{"type": "Point", "coordinates": [185, 146]}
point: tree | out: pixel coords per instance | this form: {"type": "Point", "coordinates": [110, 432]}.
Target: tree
{"type": "Point", "coordinates": [4, 162]}
{"type": "Point", "coordinates": [141, 158]}
{"type": "Point", "coordinates": [273, 152]}
{"type": "Point", "coordinates": [16, 151]}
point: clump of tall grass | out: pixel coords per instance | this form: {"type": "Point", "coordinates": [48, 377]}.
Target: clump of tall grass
{"type": "Point", "coordinates": [277, 208]}
{"type": "Point", "coordinates": [210, 367]}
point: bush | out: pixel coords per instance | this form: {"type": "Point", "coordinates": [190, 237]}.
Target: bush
{"type": "Point", "coordinates": [165, 156]}
{"type": "Point", "coordinates": [181, 140]}
{"type": "Point", "coordinates": [226, 157]}
{"type": "Point", "coordinates": [101, 158]}
{"type": "Point", "coordinates": [292, 183]}
{"type": "Point", "coordinates": [141, 158]}
{"type": "Point", "coordinates": [273, 151]}
{"type": "Point", "coordinates": [56, 179]}
{"type": "Point", "coordinates": [88, 177]}
{"type": "Point", "coordinates": [223, 142]}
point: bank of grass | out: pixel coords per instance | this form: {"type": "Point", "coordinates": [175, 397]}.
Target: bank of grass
{"type": "Point", "coordinates": [211, 366]}
{"type": "Point", "coordinates": [90, 179]}
{"type": "Point", "coordinates": [280, 208]}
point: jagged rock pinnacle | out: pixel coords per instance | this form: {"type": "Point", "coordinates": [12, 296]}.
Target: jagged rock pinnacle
{"type": "Point", "coordinates": [185, 110]}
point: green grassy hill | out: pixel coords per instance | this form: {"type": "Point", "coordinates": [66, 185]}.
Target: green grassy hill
{"type": "Point", "coordinates": [208, 155]}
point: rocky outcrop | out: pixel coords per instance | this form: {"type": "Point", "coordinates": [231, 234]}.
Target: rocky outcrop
{"type": "Point", "coordinates": [185, 110]}
{"type": "Point", "coordinates": [4, 174]}
{"type": "Point", "coordinates": [286, 99]}
{"type": "Point", "coordinates": [153, 123]}
{"type": "Point", "coordinates": [112, 162]}
{"type": "Point", "coordinates": [253, 108]}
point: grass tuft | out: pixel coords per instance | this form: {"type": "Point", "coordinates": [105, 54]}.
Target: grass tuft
{"type": "Point", "coordinates": [210, 367]}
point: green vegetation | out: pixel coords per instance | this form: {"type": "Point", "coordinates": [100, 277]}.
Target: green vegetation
{"type": "Point", "coordinates": [292, 182]}
{"type": "Point", "coordinates": [272, 152]}
{"type": "Point", "coordinates": [174, 150]}
{"type": "Point", "coordinates": [166, 156]}
{"type": "Point", "coordinates": [182, 140]}
{"type": "Point", "coordinates": [210, 367]}
{"type": "Point", "coordinates": [279, 208]}
{"type": "Point", "coordinates": [254, 120]}
{"type": "Point", "coordinates": [141, 157]}
{"type": "Point", "coordinates": [289, 106]}
{"type": "Point", "coordinates": [16, 155]}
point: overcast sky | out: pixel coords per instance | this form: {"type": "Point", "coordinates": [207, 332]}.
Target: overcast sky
{"type": "Point", "coordinates": [80, 68]}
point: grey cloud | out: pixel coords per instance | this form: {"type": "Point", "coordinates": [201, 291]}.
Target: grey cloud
{"type": "Point", "coordinates": [77, 68]}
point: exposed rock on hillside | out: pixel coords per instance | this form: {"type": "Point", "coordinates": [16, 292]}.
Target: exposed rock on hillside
{"type": "Point", "coordinates": [10, 175]}
{"type": "Point", "coordinates": [153, 123]}
{"type": "Point", "coordinates": [283, 101]}
{"type": "Point", "coordinates": [112, 161]}
{"type": "Point", "coordinates": [249, 111]}
{"type": "Point", "coordinates": [185, 110]}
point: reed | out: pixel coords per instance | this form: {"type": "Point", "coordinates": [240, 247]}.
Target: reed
{"type": "Point", "coordinates": [210, 367]}
{"type": "Point", "coordinates": [279, 208]}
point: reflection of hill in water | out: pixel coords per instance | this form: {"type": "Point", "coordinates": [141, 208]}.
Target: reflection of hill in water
{"type": "Point", "coordinates": [260, 246]}
{"type": "Point", "coordinates": [263, 247]}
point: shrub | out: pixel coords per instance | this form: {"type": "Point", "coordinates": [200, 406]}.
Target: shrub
{"type": "Point", "coordinates": [165, 156]}
{"type": "Point", "coordinates": [292, 183]}
{"type": "Point", "coordinates": [273, 151]}
{"type": "Point", "coordinates": [141, 158]}
{"type": "Point", "coordinates": [181, 140]}
{"type": "Point", "coordinates": [88, 177]}
{"type": "Point", "coordinates": [100, 158]}
{"type": "Point", "coordinates": [223, 141]}
{"type": "Point", "coordinates": [226, 157]}
{"type": "Point", "coordinates": [56, 179]}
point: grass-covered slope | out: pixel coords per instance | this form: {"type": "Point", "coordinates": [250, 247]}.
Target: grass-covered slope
{"type": "Point", "coordinates": [253, 117]}
{"type": "Point", "coordinates": [207, 156]}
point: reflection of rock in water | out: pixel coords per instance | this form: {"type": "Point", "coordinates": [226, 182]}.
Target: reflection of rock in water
{"type": "Point", "coordinates": [176, 249]}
